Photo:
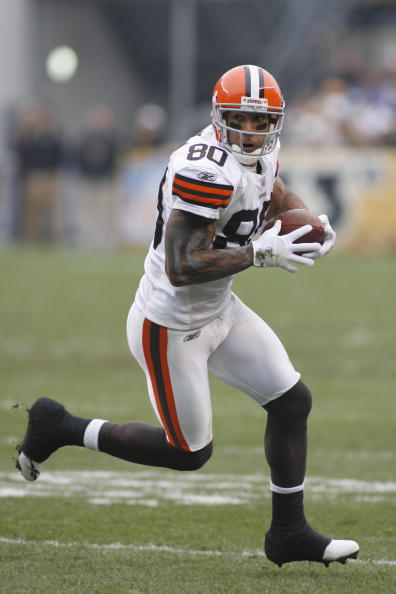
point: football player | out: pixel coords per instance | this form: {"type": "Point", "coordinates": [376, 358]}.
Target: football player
{"type": "Point", "coordinates": [218, 190]}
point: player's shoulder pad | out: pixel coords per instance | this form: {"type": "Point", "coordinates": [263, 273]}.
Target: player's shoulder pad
{"type": "Point", "coordinates": [202, 186]}
{"type": "Point", "coordinates": [206, 159]}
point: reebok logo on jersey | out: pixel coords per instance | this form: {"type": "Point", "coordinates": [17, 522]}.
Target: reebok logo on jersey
{"type": "Point", "coordinates": [192, 336]}
{"type": "Point", "coordinates": [206, 176]}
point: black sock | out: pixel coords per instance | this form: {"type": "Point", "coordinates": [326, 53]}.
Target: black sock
{"type": "Point", "coordinates": [288, 512]}
{"type": "Point", "coordinates": [71, 429]}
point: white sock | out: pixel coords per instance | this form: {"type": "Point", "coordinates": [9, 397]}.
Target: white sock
{"type": "Point", "coordinates": [91, 435]}
{"type": "Point", "coordinates": [286, 490]}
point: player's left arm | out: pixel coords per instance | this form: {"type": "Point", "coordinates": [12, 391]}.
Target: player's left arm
{"type": "Point", "coordinates": [282, 198]}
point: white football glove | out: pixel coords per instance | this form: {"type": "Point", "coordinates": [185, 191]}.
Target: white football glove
{"type": "Point", "coordinates": [272, 249]}
{"type": "Point", "coordinates": [329, 241]}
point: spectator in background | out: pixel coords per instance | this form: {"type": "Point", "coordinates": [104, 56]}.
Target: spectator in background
{"type": "Point", "coordinates": [96, 163]}
{"type": "Point", "coordinates": [321, 119]}
{"type": "Point", "coordinates": [373, 118]}
{"type": "Point", "coordinates": [347, 111]}
{"type": "Point", "coordinates": [38, 150]}
{"type": "Point", "coordinates": [149, 124]}
{"type": "Point", "coordinates": [143, 165]}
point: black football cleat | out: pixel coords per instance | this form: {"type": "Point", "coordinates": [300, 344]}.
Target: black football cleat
{"type": "Point", "coordinates": [41, 437]}
{"type": "Point", "coordinates": [308, 545]}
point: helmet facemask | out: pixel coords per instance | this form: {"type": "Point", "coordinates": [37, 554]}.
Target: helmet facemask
{"type": "Point", "coordinates": [248, 105]}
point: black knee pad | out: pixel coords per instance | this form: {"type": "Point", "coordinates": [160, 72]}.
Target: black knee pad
{"type": "Point", "coordinates": [197, 459]}
{"type": "Point", "coordinates": [301, 398]}
{"type": "Point", "coordinates": [295, 402]}
{"type": "Point", "coordinates": [182, 460]}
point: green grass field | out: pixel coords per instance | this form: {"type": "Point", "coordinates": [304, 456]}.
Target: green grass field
{"type": "Point", "coordinates": [93, 524]}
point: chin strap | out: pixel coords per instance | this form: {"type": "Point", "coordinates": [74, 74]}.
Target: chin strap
{"type": "Point", "coordinates": [245, 159]}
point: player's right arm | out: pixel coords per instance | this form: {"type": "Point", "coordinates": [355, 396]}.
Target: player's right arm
{"type": "Point", "coordinates": [189, 255]}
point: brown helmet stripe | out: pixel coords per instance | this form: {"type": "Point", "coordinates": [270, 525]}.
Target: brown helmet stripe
{"type": "Point", "coordinates": [261, 83]}
{"type": "Point", "coordinates": [248, 84]}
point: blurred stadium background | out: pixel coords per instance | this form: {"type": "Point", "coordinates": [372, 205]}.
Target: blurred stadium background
{"type": "Point", "coordinates": [95, 93]}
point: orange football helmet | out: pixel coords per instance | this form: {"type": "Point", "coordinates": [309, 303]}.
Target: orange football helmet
{"type": "Point", "coordinates": [251, 89]}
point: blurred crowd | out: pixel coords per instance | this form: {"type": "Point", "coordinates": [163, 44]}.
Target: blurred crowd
{"type": "Point", "coordinates": [72, 190]}
{"type": "Point", "coordinates": [101, 189]}
{"type": "Point", "coordinates": [355, 108]}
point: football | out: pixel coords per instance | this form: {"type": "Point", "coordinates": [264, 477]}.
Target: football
{"type": "Point", "coordinates": [295, 218]}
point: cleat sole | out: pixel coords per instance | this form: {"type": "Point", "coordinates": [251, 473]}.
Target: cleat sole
{"type": "Point", "coordinates": [29, 469]}
{"type": "Point", "coordinates": [342, 560]}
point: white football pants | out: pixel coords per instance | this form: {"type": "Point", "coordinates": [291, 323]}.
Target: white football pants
{"type": "Point", "coordinates": [237, 346]}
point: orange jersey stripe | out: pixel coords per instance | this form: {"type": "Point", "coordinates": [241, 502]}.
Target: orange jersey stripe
{"type": "Point", "coordinates": [201, 199]}
{"type": "Point", "coordinates": [206, 188]}
{"type": "Point", "coordinates": [202, 193]}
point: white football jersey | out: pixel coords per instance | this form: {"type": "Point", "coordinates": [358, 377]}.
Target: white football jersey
{"type": "Point", "coordinates": [205, 179]}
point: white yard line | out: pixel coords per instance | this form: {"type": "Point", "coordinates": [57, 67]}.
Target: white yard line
{"type": "Point", "coordinates": [117, 546]}
{"type": "Point", "coordinates": [151, 488]}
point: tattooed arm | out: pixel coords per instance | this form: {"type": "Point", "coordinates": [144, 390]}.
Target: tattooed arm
{"type": "Point", "coordinates": [190, 258]}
